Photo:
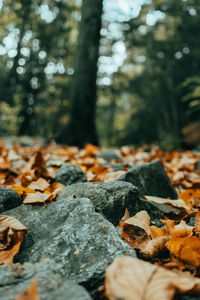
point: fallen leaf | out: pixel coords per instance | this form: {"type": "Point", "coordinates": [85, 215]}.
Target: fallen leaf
{"type": "Point", "coordinates": [38, 198]}
{"type": "Point", "coordinates": [21, 189]}
{"type": "Point", "coordinates": [191, 197]}
{"type": "Point", "coordinates": [30, 293]}
{"type": "Point", "coordinates": [151, 248]}
{"type": "Point", "coordinates": [186, 249]}
{"type": "Point", "coordinates": [182, 230]}
{"type": "Point", "coordinates": [142, 220]}
{"type": "Point", "coordinates": [130, 278]}
{"type": "Point", "coordinates": [40, 185]}
{"type": "Point", "coordinates": [157, 231]}
{"type": "Point", "coordinates": [113, 176]}
{"type": "Point", "coordinates": [55, 186]}
{"type": "Point", "coordinates": [11, 237]}
{"type": "Point", "coordinates": [175, 203]}
{"type": "Point", "coordinates": [197, 225]}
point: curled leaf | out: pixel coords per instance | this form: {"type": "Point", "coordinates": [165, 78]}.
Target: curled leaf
{"type": "Point", "coordinates": [12, 234]}
{"type": "Point", "coordinates": [142, 220]}
{"type": "Point", "coordinates": [151, 248]}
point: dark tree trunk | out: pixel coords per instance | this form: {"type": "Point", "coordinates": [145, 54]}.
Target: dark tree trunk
{"type": "Point", "coordinates": [81, 128]}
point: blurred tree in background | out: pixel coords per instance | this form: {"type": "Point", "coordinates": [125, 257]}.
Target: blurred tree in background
{"type": "Point", "coordinates": [148, 71]}
{"type": "Point", "coordinates": [82, 127]}
{"type": "Point", "coordinates": [162, 71]}
{"type": "Point", "coordinates": [37, 45]}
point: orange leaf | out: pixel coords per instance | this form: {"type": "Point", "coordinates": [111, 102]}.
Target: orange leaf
{"type": "Point", "coordinates": [21, 189]}
{"type": "Point", "coordinates": [187, 249]}
{"type": "Point", "coordinates": [197, 224]}
{"type": "Point", "coordinates": [30, 293]}
{"type": "Point", "coordinates": [191, 197]}
{"type": "Point", "coordinates": [11, 238]}
{"type": "Point", "coordinates": [157, 231]}
{"type": "Point", "coordinates": [4, 165]}
{"type": "Point", "coordinates": [55, 186]}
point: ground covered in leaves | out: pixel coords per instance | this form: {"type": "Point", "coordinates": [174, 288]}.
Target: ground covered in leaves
{"type": "Point", "coordinates": [168, 255]}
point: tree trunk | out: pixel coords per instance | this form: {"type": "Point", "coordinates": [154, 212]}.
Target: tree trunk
{"type": "Point", "coordinates": [81, 128]}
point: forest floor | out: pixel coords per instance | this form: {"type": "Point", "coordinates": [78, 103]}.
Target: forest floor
{"type": "Point", "coordinates": [168, 255]}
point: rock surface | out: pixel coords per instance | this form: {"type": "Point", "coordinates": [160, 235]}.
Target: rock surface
{"type": "Point", "coordinates": [16, 278]}
{"type": "Point", "coordinates": [117, 166]}
{"type": "Point", "coordinates": [8, 199]}
{"type": "Point", "coordinates": [109, 154]}
{"type": "Point", "coordinates": [198, 165]}
{"type": "Point", "coordinates": [110, 198]}
{"type": "Point", "coordinates": [151, 179]}
{"type": "Point", "coordinates": [68, 174]}
{"type": "Point", "coordinates": [74, 235]}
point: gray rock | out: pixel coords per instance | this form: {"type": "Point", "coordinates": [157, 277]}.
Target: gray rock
{"type": "Point", "coordinates": [151, 179]}
{"type": "Point", "coordinates": [110, 198]}
{"type": "Point", "coordinates": [117, 166]}
{"type": "Point", "coordinates": [8, 199]}
{"type": "Point", "coordinates": [54, 161]}
{"type": "Point", "coordinates": [197, 167]}
{"type": "Point", "coordinates": [25, 141]}
{"type": "Point", "coordinates": [51, 285]}
{"type": "Point", "coordinates": [68, 174]}
{"type": "Point", "coordinates": [186, 297]}
{"type": "Point", "coordinates": [71, 232]}
{"type": "Point", "coordinates": [109, 154]}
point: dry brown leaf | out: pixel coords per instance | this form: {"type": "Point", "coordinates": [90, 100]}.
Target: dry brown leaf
{"type": "Point", "coordinates": [99, 171]}
{"type": "Point", "coordinates": [91, 149]}
{"type": "Point", "coordinates": [30, 293]}
{"type": "Point", "coordinates": [182, 230]}
{"type": "Point", "coordinates": [151, 248]}
{"type": "Point", "coordinates": [38, 198]}
{"type": "Point", "coordinates": [3, 233]}
{"type": "Point", "coordinates": [90, 176]}
{"type": "Point", "coordinates": [38, 161]}
{"type": "Point", "coordinates": [55, 186]}
{"type": "Point", "coordinates": [111, 176]}
{"type": "Point", "coordinates": [125, 216]}
{"type": "Point", "coordinates": [175, 203]}
{"type": "Point", "coordinates": [11, 222]}
{"type": "Point", "coordinates": [197, 225]}
{"type": "Point", "coordinates": [11, 238]}
{"type": "Point", "coordinates": [5, 165]}
{"type": "Point", "coordinates": [40, 185]}
{"type": "Point", "coordinates": [7, 256]}
{"type": "Point", "coordinates": [175, 263]}
{"type": "Point", "coordinates": [142, 220]}
{"type": "Point", "coordinates": [133, 279]}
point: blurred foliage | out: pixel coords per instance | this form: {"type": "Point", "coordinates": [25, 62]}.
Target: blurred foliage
{"type": "Point", "coordinates": [150, 98]}
{"type": "Point", "coordinates": [161, 72]}
{"type": "Point", "coordinates": [38, 39]}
